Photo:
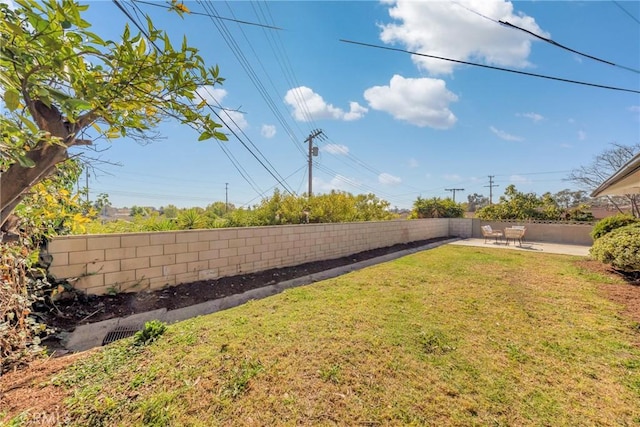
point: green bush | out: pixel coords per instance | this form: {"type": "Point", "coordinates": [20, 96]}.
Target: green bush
{"type": "Point", "coordinates": [620, 248]}
{"type": "Point", "coordinates": [609, 224]}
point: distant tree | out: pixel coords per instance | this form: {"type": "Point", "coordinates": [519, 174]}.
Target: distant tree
{"type": "Point", "coordinates": [61, 81]}
{"type": "Point", "coordinates": [170, 211]}
{"type": "Point", "coordinates": [528, 206]}
{"type": "Point", "coordinates": [514, 205]}
{"type": "Point", "coordinates": [102, 203]}
{"type": "Point", "coordinates": [336, 206]}
{"type": "Point", "coordinates": [218, 209]}
{"type": "Point", "coordinates": [138, 211]}
{"type": "Point", "coordinates": [476, 201]}
{"type": "Point", "coordinates": [567, 198]}
{"type": "Point", "coordinates": [371, 208]}
{"type": "Point", "coordinates": [436, 208]}
{"type": "Point", "coordinates": [602, 167]}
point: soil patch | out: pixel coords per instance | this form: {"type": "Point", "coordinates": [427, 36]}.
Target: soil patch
{"type": "Point", "coordinates": [625, 292]}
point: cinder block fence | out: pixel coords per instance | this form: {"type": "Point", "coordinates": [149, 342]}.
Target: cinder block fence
{"type": "Point", "coordinates": [134, 262]}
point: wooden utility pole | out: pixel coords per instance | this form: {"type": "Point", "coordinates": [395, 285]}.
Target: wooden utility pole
{"type": "Point", "coordinates": [491, 185]}
{"type": "Point", "coordinates": [313, 151]}
{"type": "Point", "coordinates": [454, 192]}
{"type": "Point", "coordinates": [226, 197]}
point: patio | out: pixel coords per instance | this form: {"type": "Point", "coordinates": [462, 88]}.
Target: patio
{"type": "Point", "coordinates": [544, 247]}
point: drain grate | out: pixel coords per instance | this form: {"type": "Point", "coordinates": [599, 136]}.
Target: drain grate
{"type": "Point", "coordinates": [119, 333]}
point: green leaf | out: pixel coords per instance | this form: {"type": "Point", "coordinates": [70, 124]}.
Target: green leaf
{"type": "Point", "coordinates": [25, 162]}
{"type": "Point", "coordinates": [221, 136]}
{"type": "Point", "coordinates": [12, 99]}
{"type": "Point", "coordinates": [15, 29]}
{"type": "Point", "coordinates": [78, 104]}
{"type": "Point", "coordinates": [29, 124]}
{"type": "Point", "coordinates": [205, 135]}
{"type": "Point", "coordinates": [142, 47]}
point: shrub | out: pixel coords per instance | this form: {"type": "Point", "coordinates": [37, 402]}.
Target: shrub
{"type": "Point", "coordinates": [620, 248]}
{"type": "Point", "coordinates": [609, 224]}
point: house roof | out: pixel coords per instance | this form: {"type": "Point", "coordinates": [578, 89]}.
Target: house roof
{"type": "Point", "coordinates": [625, 181]}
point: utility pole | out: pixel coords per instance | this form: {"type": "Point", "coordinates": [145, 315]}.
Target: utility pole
{"type": "Point", "coordinates": [313, 151]}
{"type": "Point", "coordinates": [454, 192]}
{"type": "Point", "coordinates": [226, 197]}
{"type": "Point", "coordinates": [491, 185]}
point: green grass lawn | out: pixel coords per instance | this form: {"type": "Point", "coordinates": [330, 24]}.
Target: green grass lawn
{"type": "Point", "coordinates": [450, 336]}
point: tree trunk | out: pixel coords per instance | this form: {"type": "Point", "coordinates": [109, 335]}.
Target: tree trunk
{"type": "Point", "coordinates": [16, 180]}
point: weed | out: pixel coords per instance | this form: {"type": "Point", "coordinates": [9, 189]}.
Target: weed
{"type": "Point", "coordinates": [514, 351]}
{"type": "Point", "coordinates": [435, 342]}
{"type": "Point", "coordinates": [331, 374]}
{"type": "Point", "coordinates": [152, 331]}
{"type": "Point", "coordinates": [238, 381]}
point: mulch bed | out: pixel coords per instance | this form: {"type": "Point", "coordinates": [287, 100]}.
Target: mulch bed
{"type": "Point", "coordinates": [80, 309]}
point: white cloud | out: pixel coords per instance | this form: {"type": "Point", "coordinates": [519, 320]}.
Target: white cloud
{"type": "Point", "coordinates": [356, 111]}
{"type": "Point", "coordinates": [453, 177]}
{"type": "Point", "coordinates": [234, 119]}
{"type": "Point", "coordinates": [338, 182]}
{"type": "Point", "coordinates": [336, 149]}
{"type": "Point", "coordinates": [268, 131]}
{"type": "Point", "coordinates": [456, 30]}
{"type": "Point", "coordinates": [504, 135]}
{"type": "Point", "coordinates": [533, 116]}
{"type": "Point", "coordinates": [421, 102]}
{"type": "Point", "coordinates": [212, 95]}
{"type": "Point", "coordinates": [519, 179]}
{"type": "Point", "coordinates": [565, 145]}
{"type": "Point", "coordinates": [388, 179]}
{"type": "Point", "coordinates": [635, 108]}
{"type": "Point", "coordinates": [582, 135]}
{"type": "Point", "coordinates": [308, 105]}
{"type": "Point", "coordinates": [413, 163]}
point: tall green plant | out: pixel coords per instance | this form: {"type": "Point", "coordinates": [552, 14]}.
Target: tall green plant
{"type": "Point", "coordinates": [436, 208]}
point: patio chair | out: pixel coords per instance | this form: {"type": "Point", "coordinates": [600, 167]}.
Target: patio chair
{"type": "Point", "coordinates": [515, 233]}
{"type": "Point", "coordinates": [524, 230]}
{"type": "Point", "coordinates": [488, 232]}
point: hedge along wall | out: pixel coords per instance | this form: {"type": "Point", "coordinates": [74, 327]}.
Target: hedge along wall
{"type": "Point", "coordinates": [133, 262]}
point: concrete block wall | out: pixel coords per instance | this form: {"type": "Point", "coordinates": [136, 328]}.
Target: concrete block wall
{"type": "Point", "coordinates": [569, 234]}
{"type": "Point", "coordinates": [134, 262]}
{"type": "Point", "coordinates": [461, 227]}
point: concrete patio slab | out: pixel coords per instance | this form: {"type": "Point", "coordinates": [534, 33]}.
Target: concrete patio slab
{"type": "Point", "coordinates": [538, 247]}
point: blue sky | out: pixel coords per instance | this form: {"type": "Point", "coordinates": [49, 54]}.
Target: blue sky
{"type": "Point", "coordinates": [396, 125]}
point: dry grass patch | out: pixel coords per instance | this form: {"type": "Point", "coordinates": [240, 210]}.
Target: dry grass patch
{"type": "Point", "coordinates": [451, 336]}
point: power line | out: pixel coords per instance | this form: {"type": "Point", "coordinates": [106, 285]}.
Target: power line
{"type": "Point", "coordinates": [550, 41]}
{"type": "Point", "coordinates": [545, 39]}
{"type": "Point", "coordinates": [164, 6]}
{"type": "Point", "coordinates": [542, 76]}
{"type": "Point", "coordinates": [272, 173]}
{"type": "Point", "coordinates": [248, 68]}
{"type": "Point", "coordinates": [626, 11]}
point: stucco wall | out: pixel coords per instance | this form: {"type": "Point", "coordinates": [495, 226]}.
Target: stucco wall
{"type": "Point", "coordinates": [134, 262]}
